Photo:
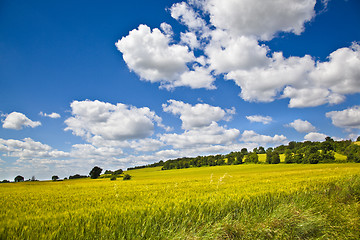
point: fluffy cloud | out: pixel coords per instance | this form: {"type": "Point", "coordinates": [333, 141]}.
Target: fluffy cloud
{"type": "Point", "coordinates": [28, 149]}
{"type": "Point", "coordinates": [51, 115]}
{"type": "Point", "coordinates": [226, 53]}
{"type": "Point", "coordinates": [199, 115]}
{"type": "Point", "coordinates": [150, 54]}
{"type": "Point", "coordinates": [200, 137]}
{"type": "Point", "coordinates": [17, 121]}
{"type": "Point", "coordinates": [110, 122]}
{"type": "Point", "coordinates": [305, 82]}
{"type": "Point", "coordinates": [264, 84]}
{"type": "Point", "coordinates": [190, 39]}
{"type": "Point", "coordinates": [229, 45]}
{"type": "Point", "coordinates": [242, 17]}
{"type": "Point", "coordinates": [348, 118]}
{"type": "Point", "coordinates": [302, 126]}
{"type": "Point", "coordinates": [311, 97]}
{"type": "Point", "coordinates": [315, 137]}
{"type": "Point", "coordinates": [146, 145]}
{"type": "Point", "coordinates": [202, 134]}
{"type": "Point", "coordinates": [341, 73]}
{"type": "Point", "coordinates": [167, 29]}
{"type": "Point", "coordinates": [88, 151]}
{"type": "Point", "coordinates": [200, 77]}
{"type": "Point", "coordinates": [187, 16]}
{"type": "Point", "coordinates": [261, 119]}
{"type": "Point", "coordinates": [251, 136]}
{"type": "Point", "coordinates": [328, 82]}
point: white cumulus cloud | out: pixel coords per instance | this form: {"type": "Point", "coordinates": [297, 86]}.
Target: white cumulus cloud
{"type": "Point", "coordinates": [212, 134]}
{"type": "Point", "coordinates": [305, 82]}
{"type": "Point", "coordinates": [260, 18]}
{"type": "Point", "coordinates": [228, 35]}
{"type": "Point", "coordinates": [200, 77]}
{"type": "Point", "coordinates": [315, 137]}
{"type": "Point", "coordinates": [347, 118]}
{"type": "Point", "coordinates": [146, 145]}
{"type": "Point", "coordinates": [88, 151]}
{"type": "Point", "coordinates": [50, 115]}
{"type": "Point", "coordinates": [199, 115]}
{"type": "Point", "coordinates": [110, 122]}
{"type": "Point", "coordinates": [227, 53]}
{"type": "Point", "coordinates": [252, 136]}
{"type": "Point", "coordinates": [341, 74]}
{"type": "Point", "coordinates": [29, 149]}
{"type": "Point", "coordinates": [259, 118]}
{"type": "Point", "coordinates": [264, 84]}
{"type": "Point", "coordinates": [187, 16]}
{"type": "Point", "coordinates": [17, 121]}
{"type": "Point", "coordinates": [150, 54]}
{"type": "Point", "coordinates": [190, 39]}
{"type": "Point", "coordinates": [302, 126]}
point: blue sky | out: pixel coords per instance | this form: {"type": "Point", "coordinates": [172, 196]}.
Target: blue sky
{"type": "Point", "coordinates": [119, 84]}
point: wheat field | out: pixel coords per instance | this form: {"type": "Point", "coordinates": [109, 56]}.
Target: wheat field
{"type": "Point", "coordinates": [222, 202]}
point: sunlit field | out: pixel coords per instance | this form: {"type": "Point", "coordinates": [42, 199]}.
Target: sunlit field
{"type": "Point", "coordinates": [249, 201]}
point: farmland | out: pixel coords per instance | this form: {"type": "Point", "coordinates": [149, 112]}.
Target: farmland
{"type": "Point", "coordinates": [223, 202]}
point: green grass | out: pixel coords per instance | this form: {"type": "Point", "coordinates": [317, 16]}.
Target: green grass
{"type": "Point", "coordinates": [250, 201]}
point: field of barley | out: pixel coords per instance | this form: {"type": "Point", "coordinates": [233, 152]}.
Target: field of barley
{"type": "Point", "coordinates": [249, 201]}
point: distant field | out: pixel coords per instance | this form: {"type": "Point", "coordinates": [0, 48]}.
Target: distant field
{"type": "Point", "coordinates": [262, 157]}
{"type": "Point", "coordinates": [250, 201]}
{"type": "Point", "coordinates": [338, 157]}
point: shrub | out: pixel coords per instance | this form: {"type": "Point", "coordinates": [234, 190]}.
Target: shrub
{"type": "Point", "coordinates": [126, 177]}
{"type": "Point", "coordinates": [113, 178]}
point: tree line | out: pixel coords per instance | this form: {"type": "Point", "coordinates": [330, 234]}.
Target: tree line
{"type": "Point", "coordinates": [93, 174]}
{"type": "Point", "coordinates": [307, 152]}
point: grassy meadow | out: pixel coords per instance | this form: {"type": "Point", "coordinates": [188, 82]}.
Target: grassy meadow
{"type": "Point", "coordinates": [249, 201]}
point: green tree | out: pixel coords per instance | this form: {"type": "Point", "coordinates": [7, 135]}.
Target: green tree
{"type": "Point", "coordinates": [298, 157]}
{"type": "Point", "coordinates": [269, 153]}
{"type": "Point", "coordinates": [261, 150]}
{"type": "Point", "coordinates": [353, 157]}
{"type": "Point", "coordinates": [230, 160]}
{"type": "Point", "coordinates": [329, 139]}
{"type": "Point", "coordinates": [275, 158]}
{"type": "Point", "coordinates": [54, 178]}
{"type": "Point", "coordinates": [326, 146]}
{"type": "Point", "coordinates": [289, 156]}
{"type": "Point", "coordinates": [244, 151]}
{"type": "Point", "coordinates": [95, 172]}
{"type": "Point", "coordinates": [292, 145]}
{"type": "Point", "coordinates": [327, 156]}
{"type": "Point", "coordinates": [252, 158]}
{"type": "Point", "coordinates": [314, 158]}
{"type": "Point", "coordinates": [238, 158]}
{"type": "Point", "coordinates": [19, 178]}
